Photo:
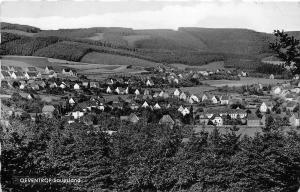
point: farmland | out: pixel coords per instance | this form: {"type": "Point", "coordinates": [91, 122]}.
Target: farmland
{"type": "Point", "coordinates": [243, 81]}
{"type": "Point", "coordinates": [109, 59]}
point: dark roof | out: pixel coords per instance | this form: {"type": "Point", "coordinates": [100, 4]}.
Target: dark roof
{"type": "Point", "coordinates": [31, 69]}
{"type": "Point", "coordinates": [19, 74]}
{"type": "Point", "coordinates": [4, 68]}
{"type": "Point", "coordinates": [50, 68]}
{"type": "Point", "coordinates": [5, 74]}
{"type": "Point", "coordinates": [32, 74]}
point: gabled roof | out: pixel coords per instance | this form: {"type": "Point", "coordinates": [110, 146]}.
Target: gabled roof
{"type": "Point", "coordinates": [166, 119]}
{"type": "Point", "coordinates": [5, 74]}
{"type": "Point", "coordinates": [33, 69]}
{"type": "Point", "coordinates": [4, 68]}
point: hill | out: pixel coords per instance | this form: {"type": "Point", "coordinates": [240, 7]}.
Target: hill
{"type": "Point", "coordinates": [189, 46]}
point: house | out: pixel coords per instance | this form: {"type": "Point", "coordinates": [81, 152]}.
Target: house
{"type": "Point", "coordinates": [215, 99]}
{"type": "Point", "coordinates": [156, 106]}
{"type": "Point", "coordinates": [77, 114]}
{"type": "Point", "coordinates": [202, 119]}
{"type": "Point", "coordinates": [48, 110]}
{"type": "Point", "coordinates": [137, 92]}
{"type": "Point", "coordinates": [149, 82]}
{"type": "Point", "coordinates": [183, 96]}
{"type": "Point", "coordinates": [224, 100]}
{"type": "Point", "coordinates": [134, 106]}
{"type": "Point", "coordinates": [94, 84]}
{"type": "Point", "coordinates": [53, 85]}
{"type": "Point", "coordinates": [289, 97]}
{"type": "Point", "coordinates": [180, 109]}
{"type": "Point", "coordinates": [276, 90]}
{"type": "Point", "coordinates": [126, 91]}
{"type": "Point", "coordinates": [108, 90]}
{"type": "Point", "coordinates": [253, 121]}
{"type": "Point", "coordinates": [119, 90]}
{"type": "Point", "coordinates": [217, 120]}
{"type": "Point", "coordinates": [265, 106]}
{"type": "Point", "coordinates": [193, 98]}
{"type": "Point", "coordinates": [185, 111]}
{"type": "Point", "coordinates": [101, 107]}
{"type": "Point", "coordinates": [68, 72]}
{"type": "Point", "coordinates": [145, 104]}
{"type": "Point", "coordinates": [290, 106]}
{"type": "Point", "coordinates": [48, 69]}
{"type": "Point", "coordinates": [52, 74]}
{"type": "Point", "coordinates": [76, 86]}
{"type": "Point", "coordinates": [4, 68]}
{"type": "Point", "coordinates": [133, 118]}
{"type": "Point", "coordinates": [26, 96]}
{"type": "Point", "coordinates": [167, 120]}
{"type": "Point", "coordinates": [271, 76]}
{"type": "Point", "coordinates": [30, 75]}
{"type": "Point", "coordinates": [109, 81]}
{"type": "Point", "coordinates": [31, 69]}
{"type": "Point", "coordinates": [85, 84]}
{"type": "Point", "coordinates": [5, 75]}
{"type": "Point", "coordinates": [62, 85]}
{"type": "Point", "coordinates": [295, 120]}
{"type": "Point", "coordinates": [204, 97]}
{"type": "Point", "coordinates": [146, 92]}
{"type": "Point", "coordinates": [176, 93]}
{"type": "Point", "coordinates": [71, 101]}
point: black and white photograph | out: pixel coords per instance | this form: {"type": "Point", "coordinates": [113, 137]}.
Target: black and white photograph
{"type": "Point", "coordinates": [150, 96]}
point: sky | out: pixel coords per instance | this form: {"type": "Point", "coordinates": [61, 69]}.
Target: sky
{"type": "Point", "coordinates": [153, 14]}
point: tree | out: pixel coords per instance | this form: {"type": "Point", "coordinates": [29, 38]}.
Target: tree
{"type": "Point", "coordinates": [288, 49]}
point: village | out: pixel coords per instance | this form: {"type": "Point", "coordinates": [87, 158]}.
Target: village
{"type": "Point", "coordinates": [156, 97]}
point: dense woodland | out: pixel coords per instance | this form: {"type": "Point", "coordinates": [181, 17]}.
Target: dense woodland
{"type": "Point", "coordinates": [149, 157]}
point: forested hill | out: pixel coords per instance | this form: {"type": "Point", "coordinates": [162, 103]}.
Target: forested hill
{"type": "Point", "coordinates": [192, 46]}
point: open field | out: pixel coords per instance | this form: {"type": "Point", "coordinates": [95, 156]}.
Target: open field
{"type": "Point", "coordinates": [109, 59]}
{"type": "Point", "coordinates": [95, 71]}
{"type": "Point", "coordinates": [210, 67]}
{"type": "Point", "coordinates": [96, 37]}
{"type": "Point", "coordinates": [244, 81]}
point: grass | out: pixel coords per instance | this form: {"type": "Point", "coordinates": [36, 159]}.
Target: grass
{"type": "Point", "coordinates": [198, 90]}
{"type": "Point", "coordinates": [243, 81]}
{"type": "Point", "coordinates": [109, 59]}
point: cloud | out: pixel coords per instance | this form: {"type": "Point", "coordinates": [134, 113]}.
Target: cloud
{"type": "Point", "coordinates": [260, 17]}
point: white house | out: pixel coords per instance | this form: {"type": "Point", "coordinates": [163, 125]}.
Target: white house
{"type": "Point", "coordinates": [62, 85]}
{"type": "Point", "coordinates": [76, 86]}
{"type": "Point", "coordinates": [77, 114]}
{"type": "Point", "coordinates": [137, 92]}
{"type": "Point", "coordinates": [214, 100]}
{"type": "Point", "coordinates": [204, 97]}
{"type": "Point", "coordinates": [224, 100]}
{"type": "Point", "coordinates": [149, 82]}
{"type": "Point", "coordinates": [71, 101]}
{"type": "Point", "coordinates": [145, 105]}
{"type": "Point", "coordinates": [108, 90]}
{"type": "Point", "coordinates": [217, 120]}
{"type": "Point", "coordinates": [182, 96]}
{"type": "Point", "coordinates": [263, 108]}
{"type": "Point", "coordinates": [176, 93]}
{"type": "Point", "coordinates": [180, 109]}
{"type": "Point", "coordinates": [185, 111]}
{"type": "Point", "coordinates": [276, 90]}
{"type": "Point", "coordinates": [156, 106]}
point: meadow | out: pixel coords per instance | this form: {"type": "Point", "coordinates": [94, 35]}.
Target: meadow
{"type": "Point", "coordinates": [243, 81]}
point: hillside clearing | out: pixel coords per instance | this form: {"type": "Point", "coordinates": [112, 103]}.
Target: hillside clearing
{"type": "Point", "coordinates": [109, 59]}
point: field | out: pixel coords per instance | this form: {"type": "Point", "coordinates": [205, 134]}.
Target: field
{"type": "Point", "coordinates": [199, 90]}
{"type": "Point", "coordinates": [243, 81]}
{"type": "Point", "coordinates": [96, 37]}
{"type": "Point", "coordinates": [93, 71]}
{"type": "Point", "coordinates": [109, 59]}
